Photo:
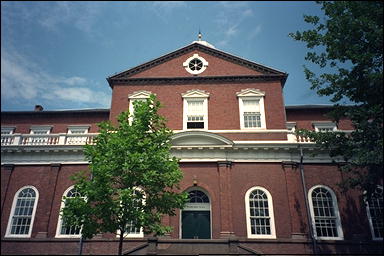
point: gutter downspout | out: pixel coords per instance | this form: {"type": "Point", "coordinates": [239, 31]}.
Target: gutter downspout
{"type": "Point", "coordinates": [314, 246]}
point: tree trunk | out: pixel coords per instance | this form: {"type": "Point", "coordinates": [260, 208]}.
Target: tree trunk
{"type": "Point", "coordinates": [121, 242]}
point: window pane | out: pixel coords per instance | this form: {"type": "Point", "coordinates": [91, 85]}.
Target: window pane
{"type": "Point", "coordinates": [22, 215]}
{"type": "Point", "coordinates": [375, 207]}
{"type": "Point", "coordinates": [252, 119]}
{"type": "Point", "coordinates": [251, 106]}
{"type": "Point", "coordinates": [66, 229]}
{"type": "Point", "coordinates": [259, 213]}
{"type": "Point", "coordinates": [324, 213]}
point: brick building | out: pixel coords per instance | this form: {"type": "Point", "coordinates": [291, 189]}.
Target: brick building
{"type": "Point", "coordinates": [242, 166]}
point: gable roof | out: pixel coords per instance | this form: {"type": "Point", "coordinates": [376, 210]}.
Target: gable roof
{"type": "Point", "coordinates": [268, 72]}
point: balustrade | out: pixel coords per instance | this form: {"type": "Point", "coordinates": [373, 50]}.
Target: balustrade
{"type": "Point", "coordinates": [46, 139]}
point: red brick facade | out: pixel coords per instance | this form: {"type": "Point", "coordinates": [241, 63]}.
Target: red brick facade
{"type": "Point", "coordinates": [255, 163]}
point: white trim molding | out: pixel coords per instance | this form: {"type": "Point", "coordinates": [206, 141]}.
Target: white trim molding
{"type": "Point", "coordinates": [6, 130]}
{"type": "Point", "coordinates": [140, 234]}
{"type": "Point", "coordinates": [60, 220]}
{"type": "Point", "coordinates": [375, 206]}
{"type": "Point", "coordinates": [270, 216]}
{"type": "Point", "coordinates": [336, 216]}
{"type": "Point", "coordinates": [138, 95]}
{"type": "Point", "coordinates": [322, 126]}
{"type": "Point", "coordinates": [195, 95]}
{"type": "Point", "coordinates": [12, 213]}
{"type": "Point", "coordinates": [200, 65]}
{"type": "Point", "coordinates": [251, 94]}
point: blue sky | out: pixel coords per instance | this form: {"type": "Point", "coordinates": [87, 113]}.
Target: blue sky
{"type": "Point", "coordinates": [59, 54]}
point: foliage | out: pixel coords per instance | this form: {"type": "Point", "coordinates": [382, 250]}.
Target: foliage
{"type": "Point", "coordinates": [348, 48]}
{"type": "Point", "coordinates": [133, 176]}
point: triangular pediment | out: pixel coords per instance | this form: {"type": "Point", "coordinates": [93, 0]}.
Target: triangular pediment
{"type": "Point", "coordinates": [196, 93]}
{"type": "Point", "coordinates": [220, 64]}
{"type": "Point", "coordinates": [139, 95]}
{"type": "Point", "coordinates": [250, 92]}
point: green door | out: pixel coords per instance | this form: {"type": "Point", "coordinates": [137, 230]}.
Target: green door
{"type": "Point", "coordinates": [196, 224]}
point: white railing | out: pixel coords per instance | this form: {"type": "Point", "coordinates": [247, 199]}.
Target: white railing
{"type": "Point", "coordinates": [292, 137]}
{"type": "Point", "coordinates": [39, 139]}
{"type": "Point", "coordinates": [81, 139]}
{"type": "Point", "coordinates": [46, 139]}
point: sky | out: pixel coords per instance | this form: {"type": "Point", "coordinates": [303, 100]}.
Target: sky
{"type": "Point", "coordinates": [59, 54]}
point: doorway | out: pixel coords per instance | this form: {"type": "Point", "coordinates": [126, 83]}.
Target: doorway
{"type": "Point", "coordinates": [196, 216]}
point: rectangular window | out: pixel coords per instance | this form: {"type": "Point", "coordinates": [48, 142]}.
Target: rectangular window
{"type": "Point", "coordinates": [251, 114]}
{"type": "Point", "coordinates": [7, 130]}
{"type": "Point", "coordinates": [7, 137]}
{"type": "Point", "coordinates": [195, 114]}
{"type": "Point", "coordinates": [324, 126]}
{"type": "Point", "coordinates": [39, 140]}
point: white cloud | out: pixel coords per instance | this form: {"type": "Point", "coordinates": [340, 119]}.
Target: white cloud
{"type": "Point", "coordinates": [254, 32]}
{"type": "Point", "coordinates": [22, 79]}
{"type": "Point", "coordinates": [231, 31]}
{"type": "Point", "coordinates": [82, 16]}
{"type": "Point", "coordinates": [52, 15]}
{"type": "Point", "coordinates": [75, 80]}
{"type": "Point", "coordinates": [163, 9]}
{"type": "Point", "coordinates": [229, 19]}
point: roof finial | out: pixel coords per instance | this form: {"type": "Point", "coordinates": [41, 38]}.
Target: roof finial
{"type": "Point", "coordinates": [199, 36]}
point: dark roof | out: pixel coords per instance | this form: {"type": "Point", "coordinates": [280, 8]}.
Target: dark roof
{"type": "Point", "coordinates": [319, 106]}
{"type": "Point", "coordinates": [267, 71]}
{"type": "Point", "coordinates": [69, 111]}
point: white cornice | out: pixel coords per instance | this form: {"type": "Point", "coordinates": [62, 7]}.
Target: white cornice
{"type": "Point", "coordinates": [195, 93]}
{"type": "Point", "coordinates": [140, 95]}
{"type": "Point", "coordinates": [250, 92]}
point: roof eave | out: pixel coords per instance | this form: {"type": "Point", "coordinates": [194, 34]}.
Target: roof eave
{"type": "Point", "coordinates": [151, 63]}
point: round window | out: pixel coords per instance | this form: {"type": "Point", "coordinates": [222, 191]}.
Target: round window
{"type": "Point", "coordinates": [195, 64]}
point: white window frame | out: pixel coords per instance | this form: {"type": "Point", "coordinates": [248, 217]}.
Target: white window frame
{"type": "Point", "coordinates": [72, 128]}
{"type": "Point", "coordinates": [370, 218]}
{"type": "Point", "coordinates": [256, 95]}
{"type": "Point", "coordinates": [8, 130]}
{"type": "Point", "coordinates": [324, 125]}
{"type": "Point", "coordinates": [195, 72]}
{"type": "Point", "coordinates": [337, 214]}
{"type": "Point", "coordinates": [195, 95]}
{"type": "Point", "coordinates": [60, 220]}
{"type": "Point", "coordinates": [134, 235]}
{"type": "Point", "coordinates": [138, 95]}
{"type": "Point", "coordinates": [270, 212]}
{"type": "Point", "coordinates": [46, 128]}
{"type": "Point", "coordinates": [8, 232]}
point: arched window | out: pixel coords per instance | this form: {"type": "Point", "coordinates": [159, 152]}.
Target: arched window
{"type": "Point", "coordinates": [197, 196]}
{"type": "Point", "coordinates": [23, 212]}
{"type": "Point", "coordinates": [259, 213]}
{"type": "Point", "coordinates": [64, 230]}
{"type": "Point", "coordinates": [375, 213]}
{"type": "Point", "coordinates": [325, 213]}
{"type": "Point", "coordinates": [132, 230]}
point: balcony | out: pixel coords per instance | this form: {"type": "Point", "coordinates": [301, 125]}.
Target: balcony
{"type": "Point", "coordinates": [46, 139]}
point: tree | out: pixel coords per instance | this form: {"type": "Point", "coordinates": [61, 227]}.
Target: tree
{"type": "Point", "coordinates": [132, 179]}
{"type": "Point", "coordinates": [348, 47]}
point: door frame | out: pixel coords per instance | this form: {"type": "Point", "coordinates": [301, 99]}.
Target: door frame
{"type": "Point", "coordinates": [210, 211]}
